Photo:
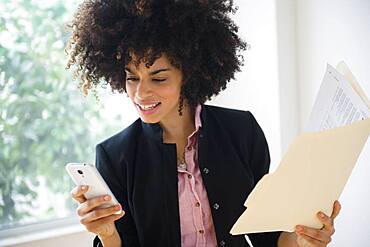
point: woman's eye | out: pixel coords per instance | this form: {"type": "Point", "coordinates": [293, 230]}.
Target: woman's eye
{"type": "Point", "coordinates": [137, 79]}
{"type": "Point", "coordinates": [159, 80]}
{"type": "Point", "coordinates": [132, 79]}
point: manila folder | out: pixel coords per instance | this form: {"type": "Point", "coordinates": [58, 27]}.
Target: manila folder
{"type": "Point", "coordinates": [309, 178]}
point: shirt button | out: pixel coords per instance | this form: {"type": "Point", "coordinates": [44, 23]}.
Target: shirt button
{"type": "Point", "coordinates": [216, 206]}
{"type": "Point", "coordinates": [222, 243]}
{"type": "Point", "coordinates": [189, 148]}
{"type": "Point", "coordinates": [201, 231]}
{"type": "Point", "coordinates": [189, 176]}
{"type": "Point", "coordinates": [205, 170]}
{"type": "Point", "coordinates": [197, 204]}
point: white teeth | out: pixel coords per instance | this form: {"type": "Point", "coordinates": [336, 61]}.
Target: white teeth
{"type": "Point", "coordinates": [147, 107]}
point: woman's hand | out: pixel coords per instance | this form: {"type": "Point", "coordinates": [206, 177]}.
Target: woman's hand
{"type": "Point", "coordinates": [97, 220]}
{"type": "Point", "coordinates": [311, 237]}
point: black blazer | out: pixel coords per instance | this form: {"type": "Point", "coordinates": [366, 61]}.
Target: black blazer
{"type": "Point", "coordinates": [141, 171]}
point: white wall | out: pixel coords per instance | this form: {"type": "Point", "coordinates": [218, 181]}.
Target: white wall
{"type": "Point", "coordinates": [327, 32]}
{"type": "Point", "coordinates": [287, 64]}
{"type": "Point", "coordinates": [256, 88]}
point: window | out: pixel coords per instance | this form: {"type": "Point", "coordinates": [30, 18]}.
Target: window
{"type": "Point", "coordinates": [45, 121]}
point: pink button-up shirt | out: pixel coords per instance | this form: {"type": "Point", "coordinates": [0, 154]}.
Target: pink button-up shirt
{"type": "Point", "coordinates": [196, 222]}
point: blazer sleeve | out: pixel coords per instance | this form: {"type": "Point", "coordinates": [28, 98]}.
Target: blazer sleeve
{"type": "Point", "coordinates": [114, 176]}
{"type": "Point", "coordinates": [260, 163]}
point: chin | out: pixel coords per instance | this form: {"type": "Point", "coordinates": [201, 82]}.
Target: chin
{"type": "Point", "coordinates": [148, 120]}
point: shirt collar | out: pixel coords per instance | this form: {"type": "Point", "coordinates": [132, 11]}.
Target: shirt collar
{"type": "Point", "coordinates": [198, 120]}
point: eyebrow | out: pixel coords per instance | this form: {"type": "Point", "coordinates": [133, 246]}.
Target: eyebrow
{"type": "Point", "coordinates": [151, 73]}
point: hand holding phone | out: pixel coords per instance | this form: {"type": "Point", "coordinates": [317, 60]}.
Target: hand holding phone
{"type": "Point", "coordinates": [95, 212]}
{"type": "Point", "coordinates": [87, 174]}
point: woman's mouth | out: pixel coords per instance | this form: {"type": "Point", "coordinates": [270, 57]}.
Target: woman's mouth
{"type": "Point", "coordinates": [148, 109]}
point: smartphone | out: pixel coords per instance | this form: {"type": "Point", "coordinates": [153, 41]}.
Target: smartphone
{"type": "Point", "coordinates": [87, 174]}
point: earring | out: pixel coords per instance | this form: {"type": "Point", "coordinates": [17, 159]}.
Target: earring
{"type": "Point", "coordinates": [181, 104]}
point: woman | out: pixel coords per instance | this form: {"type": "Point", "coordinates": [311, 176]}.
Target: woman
{"type": "Point", "coordinates": [170, 57]}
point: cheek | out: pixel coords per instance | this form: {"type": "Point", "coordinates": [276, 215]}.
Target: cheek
{"type": "Point", "coordinates": [171, 89]}
{"type": "Point", "coordinates": [169, 92]}
{"type": "Point", "coordinates": [130, 90]}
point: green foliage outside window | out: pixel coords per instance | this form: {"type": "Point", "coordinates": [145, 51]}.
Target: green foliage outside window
{"type": "Point", "coordinates": [44, 119]}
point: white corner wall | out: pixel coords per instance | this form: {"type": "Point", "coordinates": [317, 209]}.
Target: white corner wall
{"type": "Point", "coordinates": [328, 32]}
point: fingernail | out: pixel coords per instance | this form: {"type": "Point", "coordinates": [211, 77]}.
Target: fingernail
{"type": "Point", "coordinates": [106, 198]}
{"type": "Point", "coordinates": [322, 215]}
{"type": "Point", "coordinates": [83, 187]}
{"type": "Point", "coordinates": [117, 207]}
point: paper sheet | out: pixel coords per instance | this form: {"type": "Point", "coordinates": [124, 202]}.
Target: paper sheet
{"type": "Point", "coordinates": [337, 103]}
{"type": "Point", "coordinates": [294, 193]}
{"type": "Point", "coordinates": [343, 69]}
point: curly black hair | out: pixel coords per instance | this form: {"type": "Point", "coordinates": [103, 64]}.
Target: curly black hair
{"type": "Point", "coordinates": [197, 36]}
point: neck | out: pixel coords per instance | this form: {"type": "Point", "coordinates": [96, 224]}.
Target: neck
{"type": "Point", "coordinates": [178, 127]}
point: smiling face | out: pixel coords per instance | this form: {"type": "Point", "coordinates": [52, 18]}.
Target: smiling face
{"type": "Point", "coordinates": [155, 91]}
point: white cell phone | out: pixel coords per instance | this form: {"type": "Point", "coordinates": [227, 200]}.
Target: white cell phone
{"type": "Point", "coordinates": [87, 174]}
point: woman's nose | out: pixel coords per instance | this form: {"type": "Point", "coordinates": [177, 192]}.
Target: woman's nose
{"type": "Point", "coordinates": [143, 90]}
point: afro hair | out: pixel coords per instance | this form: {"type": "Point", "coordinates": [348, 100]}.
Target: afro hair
{"type": "Point", "coordinates": [197, 36]}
